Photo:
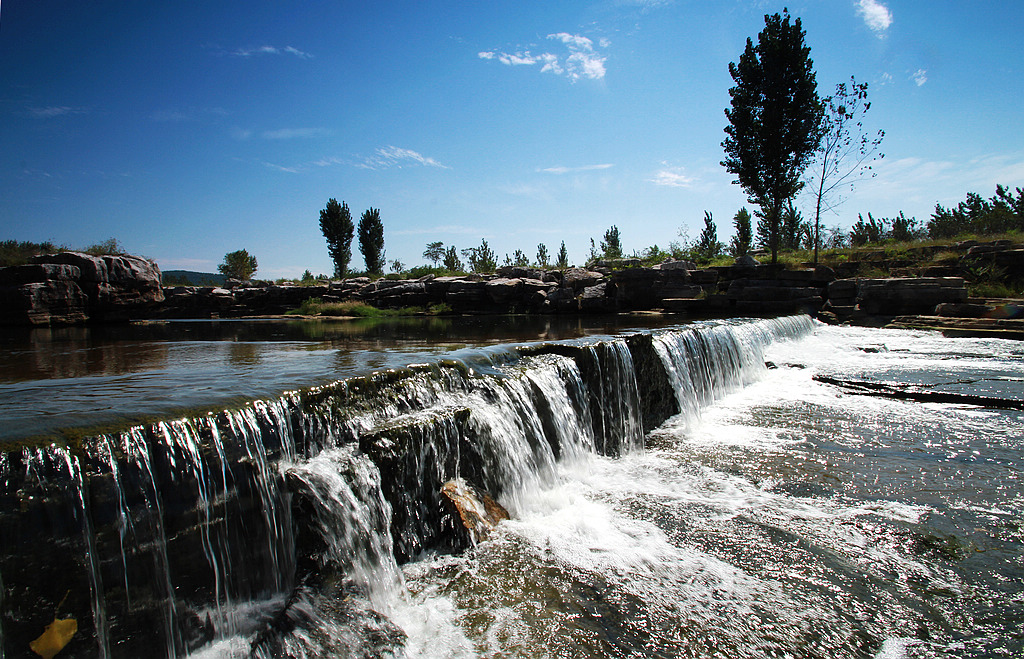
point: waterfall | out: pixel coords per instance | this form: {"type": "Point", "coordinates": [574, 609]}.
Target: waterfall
{"type": "Point", "coordinates": [184, 533]}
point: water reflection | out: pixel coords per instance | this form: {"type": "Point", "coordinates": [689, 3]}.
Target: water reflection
{"type": "Point", "coordinates": [56, 378]}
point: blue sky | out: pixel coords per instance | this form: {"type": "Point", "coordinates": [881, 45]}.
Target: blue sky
{"type": "Point", "coordinates": [188, 130]}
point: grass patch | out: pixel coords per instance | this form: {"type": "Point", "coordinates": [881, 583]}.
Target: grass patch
{"type": "Point", "coordinates": [996, 289]}
{"type": "Point", "coordinates": [315, 306]}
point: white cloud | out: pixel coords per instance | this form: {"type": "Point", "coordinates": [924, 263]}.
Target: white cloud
{"type": "Point", "coordinates": [573, 41]}
{"type": "Point", "coordinates": [281, 168]}
{"type": "Point", "coordinates": [518, 59]}
{"type": "Point", "coordinates": [581, 61]}
{"type": "Point", "coordinates": [919, 77]}
{"type": "Point", "coordinates": [55, 111]}
{"type": "Point", "coordinates": [674, 177]}
{"type": "Point", "coordinates": [876, 15]}
{"type": "Point", "coordinates": [393, 156]}
{"type": "Point", "coordinates": [292, 133]}
{"type": "Point", "coordinates": [271, 50]}
{"type": "Point", "coordinates": [584, 168]}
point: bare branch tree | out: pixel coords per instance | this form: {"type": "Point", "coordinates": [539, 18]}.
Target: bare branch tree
{"type": "Point", "coordinates": [846, 150]}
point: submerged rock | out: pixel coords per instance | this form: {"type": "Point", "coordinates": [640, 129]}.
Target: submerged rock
{"type": "Point", "coordinates": [478, 511]}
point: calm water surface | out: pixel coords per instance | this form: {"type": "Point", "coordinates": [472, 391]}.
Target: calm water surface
{"type": "Point", "coordinates": [53, 379]}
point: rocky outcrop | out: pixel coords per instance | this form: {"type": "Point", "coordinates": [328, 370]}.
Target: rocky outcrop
{"type": "Point", "coordinates": [852, 298]}
{"type": "Point", "coordinates": [73, 287]}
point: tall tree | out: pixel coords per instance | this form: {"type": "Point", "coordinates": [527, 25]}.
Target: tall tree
{"type": "Point", "coordinates": [482, 258]}
{"type": "Point", "coordinates": [451, 262]}
{"type": "Point", "coordinates": [371, 240]}
{"type": "Point", "coordinates": [793, 227]}
{"type": "Point", "coordinates": [611, 246]}
{"type": "Point", "coordinates": [336, 225]}
{"type": "Point", "coordinates": [434, 252]}
{"type": "Point", "coordinates": [744, 235]}
{"type": "Point", "coordinates": [708, 247]}
{"type": "Point", "coordinates": [543, 258]}
{"type": "Point", "coordinates": [846, 150]}
{"type": "Point", "coordinates": [774, 119]}
{"type": "Point", "coordinates": [238, 265]}
{"type": "Point", "coordinates": [562, 260]}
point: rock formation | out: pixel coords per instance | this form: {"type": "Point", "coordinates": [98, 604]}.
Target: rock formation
{"type": "Point", "coordinates": [73, 287]}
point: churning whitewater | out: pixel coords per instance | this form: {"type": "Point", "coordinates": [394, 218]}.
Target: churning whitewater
{"type": "Point", "coordinates": [688, 492]}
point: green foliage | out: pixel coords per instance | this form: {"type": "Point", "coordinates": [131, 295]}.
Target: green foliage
{"type": "Point", "coordinates": [543, 258]}
{"type": "Point", "coordinates": [481, 259]}
{"type": "Point", "coordinates": [452, 263]}
{"type": "Point", "coordinates": [872, 231]}
{"type": "Point", "coordinates": [520, 259]}
{"type": "Point", "coordinates": [562, 260]}
{"type": "Point", "coordinates": [995, 289]}
{"type": "Point", "coordinates": [653, 255]}
{"type": "Point", "coordinates": [307, 278]}
{"type": "Point", "coordinates": [905, 229]}
{"type": "Point", "coordinates": [110, 246]}
{"type": "Point", "coordinates": [397, 266]}
{"type": "Point", "coordinates": [744, 236]}
{"type": "Point", "coordinates": [707, 247]}
{"type": "Point", "coordinates": [238, 265]}
{"type": "Point", "coordinates": [315, 306]}
{"type": "Point", "coordinates": [774, 120]}
{"type": "Point", "coordinates": [611, 246]}
{"type": "Point", "coordinates": [371, 241]}
{"type": "Point", "coordinates": [793, 229]}
{"type": "Point", "coordinates": [13, 252]}
{"type": "Point", "coordinates": [336, 225]}
{"type": "Point", "coordinates": [999, 214]}
{"type": "Point", "coordinates": [898, 229]}
{"type": "Point", "coordinates": [434, 252]}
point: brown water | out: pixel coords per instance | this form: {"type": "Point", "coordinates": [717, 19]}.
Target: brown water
{"type": "Point", "coordinates": [55, 379]}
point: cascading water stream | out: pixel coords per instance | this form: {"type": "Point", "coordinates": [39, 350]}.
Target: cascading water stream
{"type": "Point", "coordinates": [208, 526]}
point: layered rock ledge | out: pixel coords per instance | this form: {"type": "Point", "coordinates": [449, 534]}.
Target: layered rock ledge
{"type": "Point", "coordinates": [73, 287]}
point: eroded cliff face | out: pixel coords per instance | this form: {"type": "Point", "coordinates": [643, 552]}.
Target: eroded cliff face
{"type": "Point", "coordinates": [73, 287]}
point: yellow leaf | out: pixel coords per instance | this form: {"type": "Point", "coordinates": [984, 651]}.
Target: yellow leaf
{"type": "Point", "coordinates": [53, 639]}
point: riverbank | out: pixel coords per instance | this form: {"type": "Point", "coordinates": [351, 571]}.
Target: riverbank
{"type": "Point", "coordinates": [74, 288]}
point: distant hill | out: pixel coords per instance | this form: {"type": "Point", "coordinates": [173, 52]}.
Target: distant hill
{"type": "Point", "coordinates": [190, 278]}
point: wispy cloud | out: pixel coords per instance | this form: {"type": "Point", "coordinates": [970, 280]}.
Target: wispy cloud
{"type": "Point", "coordinates": [56, 111]}
{"type": "Point", "coordinates": [393, 156]}
{"type": "Point", "coordinates": [293, 133]}
{"type": "Point", "coordinates": [919, 77]}
{"type": "Point", "coordinates": [270, 50]}
{"type": "Point", "coordinates": [876, 15]}
{"type": "Point", "coordinates": [184, 263]}
{"type": "Point", "coordinates": [674, 177]}
{"type": "Point", "coordinates": [582, 59]}
{"type": "Point", "coordinates": [910, 181]}
{"type": "Point", "coordinates": [567, 170]}
{"type": "Point", "coordinates": [281, 168]}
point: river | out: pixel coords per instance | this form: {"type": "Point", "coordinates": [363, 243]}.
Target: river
{"type": "Point", "coordinates": [774, 515]}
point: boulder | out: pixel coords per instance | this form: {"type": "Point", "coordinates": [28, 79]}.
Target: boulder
{"type": "Point", "coordinates": [476, 509]}
{"type": "Point", "coordinates": [593, 299]}
{"type": "Point", "coordinates": [73, 287]}
{"type": "Point", "coordinates": [519, 272]}
{"type": "Point", "coordinates": [676, 265]}
{"type": "Point", "coordinates": [503, 291]}
{"type": "Point", "coordinates": [580, 278]}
